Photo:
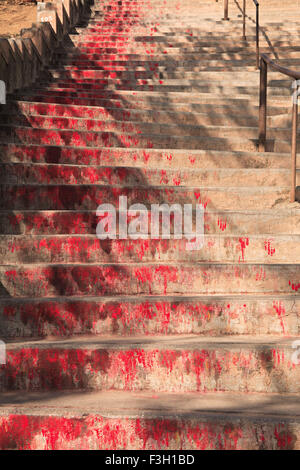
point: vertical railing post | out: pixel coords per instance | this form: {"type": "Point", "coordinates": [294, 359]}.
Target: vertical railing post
{"type": "Point", "coordinates": [294, 139]}
{"type": "Point", "coordinates": [244, 20]}
{"type": "Point", "coordinates": [257, 35]}
{"type": "Point", "coordinates": [263, 106]}
{"type": "Point", "coordinates": [226, 18]}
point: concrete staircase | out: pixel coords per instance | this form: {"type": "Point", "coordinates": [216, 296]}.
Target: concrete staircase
{"type": "Point", "coordinates": [124, 344]}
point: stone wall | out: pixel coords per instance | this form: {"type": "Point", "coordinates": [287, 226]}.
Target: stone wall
{"type": "Point", "coordinates": [23, 57]}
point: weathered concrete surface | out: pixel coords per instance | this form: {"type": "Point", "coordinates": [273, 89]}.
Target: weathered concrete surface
{"type": "Point", "coordinates": [132, 421]}
{"type": "Point", "coordinates": [88, 249]}
{"type": "Point", "coordinates": [129, 316]}
{"type": "Point", "coordinates": [158, 102]}
{"type": "Point", "coordinates": [152, 279]}
{"type": "Point", "coordinates": [180, 364]}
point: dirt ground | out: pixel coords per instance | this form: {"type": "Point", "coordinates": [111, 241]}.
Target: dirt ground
{"type": "Point", "coordinates": [16, 15]}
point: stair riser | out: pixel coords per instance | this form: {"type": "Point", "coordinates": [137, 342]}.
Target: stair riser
{"type": "Point", "coordinates": [87, 129]}
{"type": "Point", "coordinates": [175, 45]}
{"type": "Point", "coordinates": [156, 76]}
{"type": "Point", "coordinates": [100, 91]}
{"type": "Point", "coordinates": [184, 349]}
{"type": "Point", "coordinates": [76, 223]}
{"type": "Point", "coordinates": [71, 197]}
{"type": "Point", "coordinates": [54, 175]}
{"type": "Point", "coordinates": [210, 115]}
{"type": "Point", "coordinates": [72, 280]}
{"type": "Point", "coordinates": [183, 102]}
{"type": "Point", "coordinates": [179, 42]}
{"type": "Point", "coordinates": [141, 158]}
{"type": "Point", "coordinates": [239, 111]}
{"type": "Point", "coordinates": [88, 120]}
{"type": "Point", "coordinates": [216, 249]}
{"type": "Point", "coordinates": [233, 369]}
{"type": "Point", "coordinates": [131, 127]}
{"type": "Point", "coordinates": [89, 90]}
{"type": "Point", "coordinates": [150, 50]}
{"type": "Point", "coordinates": [212, 44]}
{"type": "Point", "coordinates": [208, 141]}
{"type": "Point", "coordinates": [208, 316]}
{"type": "Point", "coordinates": [134, 52]}
{"type": "Point", "coordinates": [160, 86]}
{"type": "Point", "coordinates": [94, 432]}
{"type": "Point", "coordinates": [158, 65]}
{"type": "Point", "coordinates": [167, 29]}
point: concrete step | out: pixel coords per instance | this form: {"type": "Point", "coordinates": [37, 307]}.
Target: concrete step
{"type": "Point", "coordinates": [206, 141]}
{"type": "Point", "coordinates": [172, 47]}
{"type": "Point", "coordinates": [137, 158]}
{"type": "Point", "coordinates": [14, 125]}
{"type": "Point", "coordinates": [125, 176]}
{"type": "Point", "coordinates": [169, 63]}
{"type": "Point", "coordinates": [157, 42]}
{"type": "Point", "coordinates": [114, 421]}
{"type": "Point", "coordinates": [222, 115]}
{"type": "Point", "coordinates": [150, 315]}
{"type": "Point", "coordinates": [241, 75]}
{"type": "Point", "coordinates": [119, 74]}
{"type": "Point", "coordinates": [79, 56]}
{"type": "Point", "coordinates": [281, 43]}
{"type": "Point", "coordinates": [143, 112]}
{"type": "Point", "coordinates": [175, 127]}
{"type": "Point", "coordinates": [192, 29]}
{"type": "Point", "coordinates": [163, 364]}
{"type": "Point", "coordinates": [283, 221]}
{"type": "Point", "coordinates": [143, 99]}
{"type": "Point", "coordinates": [87, 117]}
{"type": "Point", "coordinates": [219, 248]}
{"type": "Point", "coordinates": [89, 197]}
{"type": "Point", "coordinates": [159, 85]}
{"type": "Point", "coordinates": [149, 279]}
{"type": "Point", "coordinates": [158, 137]}
{"type": "Point", "coordinates": [89, 54]}
{"type": "Point", "coordinates": [98, 38]}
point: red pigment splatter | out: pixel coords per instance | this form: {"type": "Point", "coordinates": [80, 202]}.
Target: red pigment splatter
{"type": "Point", "coordinates": [244, 242]}
{"type": "Point", "coordinates": [280, 310]}
{"type": "Point", "coordinates": [295, 287]}
{"type": "Point", "coordinates": [222, 224]}
{"type": "Point", "coordinates": [268, 247]}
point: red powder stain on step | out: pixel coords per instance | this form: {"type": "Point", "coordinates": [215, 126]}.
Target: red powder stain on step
{"type": "Point", "coordinates": [280, 310]}
{"type": "Point", "coordinates": [260, 274]}
{"type": "Point", "coordinates": [244, 242]}
{"type": "Point", "coordinates": [222, 224]}
{"type": "Point", "coordinates": [283, 437]}
{"type": "Point", "coordinates": [9, 311]}
{"type": "Point", "coordinates": [295, 287]}
{"type": "Point", "coordinates": [268, 247]}
{"type": "Point", "coordinates": [163, 179]}
{"type": "Point", "coordinates": [11, 274]}
{"type": "Point", "coordinates": [200, 200]}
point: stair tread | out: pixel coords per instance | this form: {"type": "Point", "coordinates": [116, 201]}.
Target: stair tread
{"type": "Point", "coordinates": [152, 405]}
{"type": "Point", "coordinates": [175, 342]}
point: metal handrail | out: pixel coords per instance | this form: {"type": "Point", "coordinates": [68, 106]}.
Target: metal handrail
{"type": "Point", "coordinates": [226, 18]}
{"type": "Point", "coordinates": [257, 28]}
{"type": "Point", "coordinates": [265, 61]}
{"type": "Point", "coordinates": [244, 24]}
